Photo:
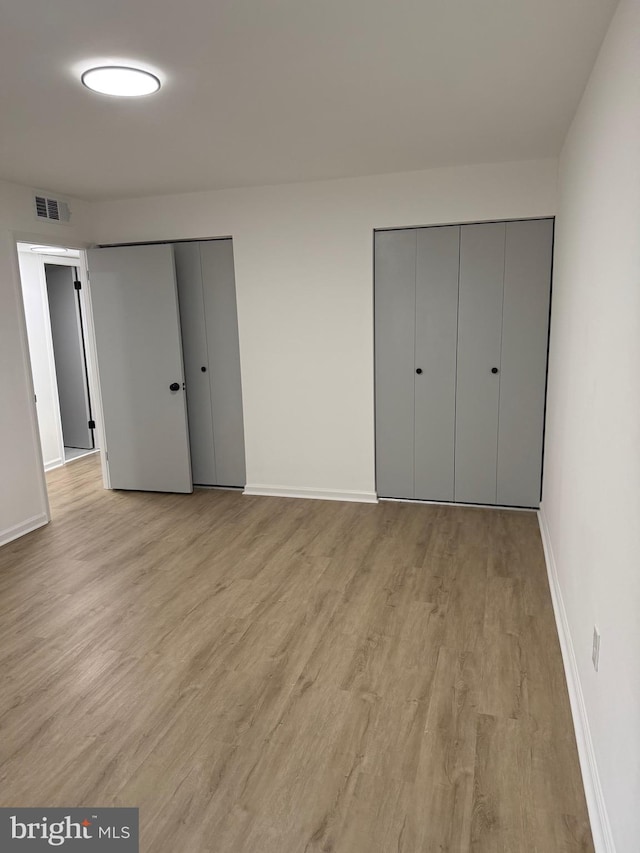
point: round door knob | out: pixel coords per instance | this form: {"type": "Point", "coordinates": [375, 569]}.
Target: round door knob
{"type": "Point", "coordinates": [174, 386]}
{"type": "Point", "coordinates": [494, 369]}
{"type": "Point", "coordinates": [203, 369]}
{"type": "Point", "coordinates": [418, 370]}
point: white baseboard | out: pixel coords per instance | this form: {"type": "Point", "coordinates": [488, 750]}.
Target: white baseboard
{"type": "Point", "coordinates": [313, 494]}
{"type": "Point", "coordinates": [82, 456]}
{"type": "Point", "coordinates": [600, 826]}
{"type": "Point", "coordinates": [55, 463]}
{"type": "Point", "coordinates": [18, 530]}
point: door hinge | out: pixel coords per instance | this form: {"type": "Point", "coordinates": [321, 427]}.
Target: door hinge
{"type": "Point", "coordinates": [77, 285]}
{"type": "Point", "coordinates": [92, 424]}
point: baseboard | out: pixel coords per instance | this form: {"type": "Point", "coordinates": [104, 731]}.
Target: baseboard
{"type": "Point", "coordinates": [21, 529]}
{"type": "Point", "coordinates": [312, 494]}
{"type": "Point", "coordinates": [419, 502]}
{"type": "Point", "coordinates": [55, 463]}
{"type": "Point", "coordinates": [600, 826]}
{"type": "Point", "coordinates": [83, 456]}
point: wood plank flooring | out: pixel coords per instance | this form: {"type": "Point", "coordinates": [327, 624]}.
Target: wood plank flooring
{"type": "Point", "coordinates": [266, 675]}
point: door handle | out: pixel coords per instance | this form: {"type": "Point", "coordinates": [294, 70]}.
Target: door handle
{"type": "Point", "coordinates": [174, 386]}
{"type": "Point", "coordinates": [418, 370]}
{"type": "Point", "coordinates": [494, 370]}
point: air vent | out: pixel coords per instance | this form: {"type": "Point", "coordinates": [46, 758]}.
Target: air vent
{"type": "Point", "coordinates": [41, 207]}
{"type": "Point", "coordinates": [52, 209]}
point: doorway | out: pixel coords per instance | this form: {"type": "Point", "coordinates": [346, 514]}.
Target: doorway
{"type": "Point", "coordinates": [56, 315]}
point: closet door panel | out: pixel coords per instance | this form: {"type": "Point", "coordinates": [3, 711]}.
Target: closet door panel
{"type": "Point", "coordinates": [194, 348]}
{"type": "Point", "coordinates": [527, 284]}
{"type": "Point", "coordinates": [479, 340]}
{"type": "Point", "coordinates": [139, 354]}
{"type": "Point", "coordinates": [395, 296]}
{"type": "Point", "coordinates": [437, 265]}
{"type": "Point", "coordinates": [221, 315]}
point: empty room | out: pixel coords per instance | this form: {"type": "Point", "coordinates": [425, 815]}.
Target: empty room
{"type": "Point", "coordinates": [320, 426]}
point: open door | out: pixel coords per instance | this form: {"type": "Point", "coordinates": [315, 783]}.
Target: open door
{"type": "Point", "coordinates": [139, 354]}
{"type": "Point", "coordinates": [69, 355]}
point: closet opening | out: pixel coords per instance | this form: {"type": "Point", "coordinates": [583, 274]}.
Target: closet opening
{"type": "Point", "coordinates": [171, 391]}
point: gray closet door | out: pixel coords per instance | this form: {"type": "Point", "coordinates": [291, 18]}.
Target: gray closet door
{"type": "Point", "coordinates": [196, 357]}
{"type": "Point", "coordinates": [527, 278]}
{"type": "Point", "coordinates": [468, 307]}
{"type": "Point", "coordinates": [395, 304]}
{"type": "Point", "coordinates": [221, 316]}
{"type": "Point", "coordinates": [436, 319]}
{"type": "Point", "coordinates": [139, 353]}
{"type": "Point", "coordinates": [479, 344]}
{"type": "Point", "coordinates": [69, 356]}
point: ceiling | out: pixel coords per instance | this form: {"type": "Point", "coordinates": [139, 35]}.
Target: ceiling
{"type": "Point", "coordinates": [272, 91]}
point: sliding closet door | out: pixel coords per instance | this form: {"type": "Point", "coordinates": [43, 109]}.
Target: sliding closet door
{"type": "Point", "coordinates": [196, 361]}
{"type": "Point", "coordinates": [478, 375]}
{"type": "Point", "coordinates": [527, 278]}
{"type": "Point", "coordinates": [395, 302]}
{"type": "Point", "coordinates": [221, 316]}
{"type": "Point", "coordinates": [436, 320]}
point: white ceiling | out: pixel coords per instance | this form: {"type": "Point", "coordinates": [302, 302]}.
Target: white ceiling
{"type": "Point", "coordinates": [271, 91]}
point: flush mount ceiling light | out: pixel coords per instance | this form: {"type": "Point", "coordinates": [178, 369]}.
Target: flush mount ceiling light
{"type": "Point", "coordinates": [50, 250]}
{"type": "Point", "coordinates": [121, 81]}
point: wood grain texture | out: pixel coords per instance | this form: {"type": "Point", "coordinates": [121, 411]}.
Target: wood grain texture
{"type": "Point", "coordinates": [266, 674]}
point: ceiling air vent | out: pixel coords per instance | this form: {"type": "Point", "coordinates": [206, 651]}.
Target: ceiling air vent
{"type": "Point", "coordinates": [52, 209]}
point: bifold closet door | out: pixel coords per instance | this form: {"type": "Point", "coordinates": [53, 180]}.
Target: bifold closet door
{"type": "Point", "coordinates": [209, 322]}
{"type": "Point", "coordinates": [525, 330]}
{"type": "Point", "coordinates": [436, 319]}
{"type": "Point", "coordinates": [196, 356]}
{"type": "Point", "coordinates": [139, 353]}
{"type": "Point", "coordinates": [395, 306]}
{"type": "Point", "coordinates": [416, 308]}
{"type": "Point", "coordinates": [221, 314]}
{"type": "Point", "coordinates": [479, 359]}
{"type": "Point", "coordinates": [461, 331]}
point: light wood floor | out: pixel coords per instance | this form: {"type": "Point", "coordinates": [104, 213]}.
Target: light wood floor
{"type": "Point", "coordinates": [264, 675]}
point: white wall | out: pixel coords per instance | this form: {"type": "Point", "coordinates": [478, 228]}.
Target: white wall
{"type": "Point", "coordinates": [23, 501]}
{"type": "Point", "coordinates": [591, 500]}
{"type": "Point", "coordinates": [304, 275]}
{"type": "Point", "coordinates": [42, 364]}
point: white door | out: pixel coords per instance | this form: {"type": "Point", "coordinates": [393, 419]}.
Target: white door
{"type": "Point", "coordinates": [139, 354]}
